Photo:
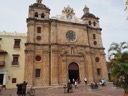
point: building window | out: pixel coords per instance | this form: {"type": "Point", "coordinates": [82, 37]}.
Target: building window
{"type": "Point", "coordinates": [95, 43]}
{"type": "Point", "coordinates": [98, 71]}
{"type": "Point", "coordinates": [13, 80]}
{"type": "Point", "coordinates": [97, 59]}
{"type": "Point", "coordinates": [38, 38]}
{"type": "Point", "coordinates": [94, 23]}
{"type": "Point", "coordinates": [36, 15]}
{"type": "Point", "coordinates": [38, 58]}
{"type": "Point", "coordinates": [94, 36]}
{"type": "Point", "coordinates": [17, 43]}
{"type": "Point", "coordinates": [37, 72]}
{"type": "Point", "coordinates": [42, 15]}
{"type": "Point", "coordinates": [15, 59]}
{"type": "Point", "coordinates": [71, 36]}
{"type": "Point", "coordinates": [89, 23]}
{"type": "Point", "coordinates": [38, 29]}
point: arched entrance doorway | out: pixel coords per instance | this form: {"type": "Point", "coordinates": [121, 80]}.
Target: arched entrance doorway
{"type": "Point", "coordinates": [73, 71]}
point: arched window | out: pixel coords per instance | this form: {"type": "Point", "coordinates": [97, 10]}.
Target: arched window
{"type": "Point", "coordinates": [36, 15]}
{"type": "Point", "coordinates": [94, 23]}
{"type": "Point", "coordinates": [89, 22]}
{"type": "Point", "coordinates": [42, 15]}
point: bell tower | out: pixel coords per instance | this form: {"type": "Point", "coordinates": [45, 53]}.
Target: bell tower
{"type": "Point", "coordinates": [39, 11]}
{"type": "Point", "coordinates": [37, 37]}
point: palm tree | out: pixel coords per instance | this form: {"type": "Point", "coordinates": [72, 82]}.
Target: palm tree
{"type": "Point", "coordinates": [116, 49]}
{"type": "Point", "coordinates": [118, 60]}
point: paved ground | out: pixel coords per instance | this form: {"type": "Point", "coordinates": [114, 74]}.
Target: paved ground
{"type": "Point", "coordinates": [108, 90]}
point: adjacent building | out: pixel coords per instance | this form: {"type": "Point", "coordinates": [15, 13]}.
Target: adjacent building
{"type": "Point", "coordinates": [12, 58]}
{"type": "Point", "coordinates": [63, 47]}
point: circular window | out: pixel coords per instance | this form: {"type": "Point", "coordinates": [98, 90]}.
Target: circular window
{"type": "Point", "coordinates": [69, 16]}
{"type": "Point", "coordinates": [70, 35]}
{"type": "Point", "coordinates": [38, 37]}
{"type": "Point", "coordinates": [38, 58]}
{"type": "Point", "coordinates": [95, 43]}
{"type": "Point", "coordinates": [97, 59]}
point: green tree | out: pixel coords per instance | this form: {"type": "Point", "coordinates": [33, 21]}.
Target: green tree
{"type": "Point", "coordinates": [118, 60]}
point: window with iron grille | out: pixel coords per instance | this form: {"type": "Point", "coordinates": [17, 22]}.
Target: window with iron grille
{"type": "Point", "coordinates": [94, 36]}
{"type": "Point", "coordinates": [37, 72]}
{"type": "Point", "coordinates": [13, 80]}
{"type": "Point", "coordinates": [38, 29]}
{"type": "Point", "coordinates": [17, 43]}
{"type": "Point", "coordinates": [98, 71]}
{"type": "Point", "coordinates": [15, 59]}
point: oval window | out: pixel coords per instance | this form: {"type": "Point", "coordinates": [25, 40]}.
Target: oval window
{"type": "Point", "coordinates": [38, 37]}
{"type": "Point", "coordinates": [95, 43]}
{"type": "Point", "coordinates": [97, 59]}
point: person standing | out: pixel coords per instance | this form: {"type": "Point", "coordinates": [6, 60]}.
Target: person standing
{"type": "Point", "coordinates": [76, 82]}
{"type": "Point", "coordinates": [1, 87]}
{"type": "Point", "coordinates": [102, 82]}
{"type": "Point", "coordinates": [85, 80]}
{"type": "Point", "coordinates": [73, 81]}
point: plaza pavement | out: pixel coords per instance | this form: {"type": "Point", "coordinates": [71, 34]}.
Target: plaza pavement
{"type": "Point", "coordinates": [82, 90]}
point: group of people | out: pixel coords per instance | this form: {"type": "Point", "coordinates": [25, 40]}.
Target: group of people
{"type": "Point", "coordinates": [74, 82]}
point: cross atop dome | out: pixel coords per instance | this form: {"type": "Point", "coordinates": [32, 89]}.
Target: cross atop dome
{"type": "Point", "coordinates": [39, 1]}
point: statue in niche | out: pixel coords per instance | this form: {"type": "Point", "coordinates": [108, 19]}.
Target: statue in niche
{"type": "Point", "coordinates": [72, 50]}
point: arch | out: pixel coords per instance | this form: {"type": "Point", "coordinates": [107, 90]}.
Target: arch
{"type": "Point", "coordinates": [94, 23]}
{"type": "Point", "coordinates": [73, 66]}
{"type": "Point", "coordinates": [42, 15]}
{"type": "Point", "coordinates": [36, 14]}
{"type": "Point", "coordinates": [73, 72]}
{"type": "Point", "coordinates": [89, 22]}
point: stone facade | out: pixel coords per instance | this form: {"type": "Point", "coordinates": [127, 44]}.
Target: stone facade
{"type": "Point", "coordinates": [63, 47]}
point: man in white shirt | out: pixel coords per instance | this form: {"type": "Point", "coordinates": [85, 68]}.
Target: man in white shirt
{"type": "Point", "coordinates": [85, 80]}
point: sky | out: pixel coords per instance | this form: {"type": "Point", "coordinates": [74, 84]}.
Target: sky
{"type": "Point", "coordinates": [13, 14]}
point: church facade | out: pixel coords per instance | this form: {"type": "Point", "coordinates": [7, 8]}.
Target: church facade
{"type": "Point", "coordinates": [63, 47]}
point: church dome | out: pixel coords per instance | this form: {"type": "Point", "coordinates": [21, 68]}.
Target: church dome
{"type": "Point", "coordinates": [89, 15]}
{"type": "Point", "coordinates": [39, 5]}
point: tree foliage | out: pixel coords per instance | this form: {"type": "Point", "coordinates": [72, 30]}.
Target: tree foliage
{"type": "Point", "coordinates": [118, 60]}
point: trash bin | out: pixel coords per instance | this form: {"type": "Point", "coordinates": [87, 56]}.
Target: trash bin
{"type": "Point", "coordinates": [21, 89]}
